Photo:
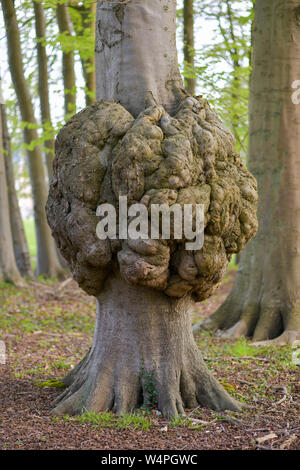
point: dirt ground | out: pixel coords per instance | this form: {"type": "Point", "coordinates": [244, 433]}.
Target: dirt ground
{"type": "Point", "coordinates": [47, 328]}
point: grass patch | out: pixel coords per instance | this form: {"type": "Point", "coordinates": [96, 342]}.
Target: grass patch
{"type": "Point", "coordinates": [136, 420]}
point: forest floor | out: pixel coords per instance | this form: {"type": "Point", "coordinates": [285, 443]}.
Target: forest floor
{"type": "Point", "coordinates": [47, 329]}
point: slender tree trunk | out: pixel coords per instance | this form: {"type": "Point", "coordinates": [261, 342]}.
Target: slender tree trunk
{"type": "Point", "coordinates": [64, 25]}
{"type": "Point", "coordinates": [143, 349]}
{"type": "Point", "coordinates": [88, 20]}
{"type": "Point", "coordinates": [265, 299]}
{"type": "Point", "coordinates": [47, 261]}
{"type": "Point", "coordinates": [188, 43]}
{"type": "Point", "coordinates": [9, 270]}
{"type": "Point", "coordinates": [40, 28]}
{"type": "Point", "coordinates": [18, 235]}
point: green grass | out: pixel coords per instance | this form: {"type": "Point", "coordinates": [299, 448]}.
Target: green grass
{"type": "Point", "coordinates": [29, 228]}
{"type": "Point", "coordinates": [136, 420]}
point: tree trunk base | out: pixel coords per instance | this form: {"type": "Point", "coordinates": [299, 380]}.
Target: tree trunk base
{"type": "Point", "coordinates": [143, 353]}
{"type": "Point", "coordinates": [264, 317]}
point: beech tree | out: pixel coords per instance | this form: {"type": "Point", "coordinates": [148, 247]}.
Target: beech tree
{"type": "Point", "coordinates": [264, 302]}
{"type": "Point", "coordinates": [148, 140]}
{"type": "Point", "coordinates": [68, 71]}
{"type": "Point", "coordinates": [188, 45]}
{"type": "Point", "coordinates": [8, 268]}
{"type": "Point", "coordinates": [20, 245]}
{"type": "Point", "coordinates": [47, 261]}
{"type": "Point", "coordinates": [43, 82]}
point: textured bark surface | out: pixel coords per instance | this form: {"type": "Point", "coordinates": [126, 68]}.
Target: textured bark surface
{"type": "Point", "coordinates": [143, 353]}
{"type": "Point", "coordinates": [265, 300]}
{"type": "Point", "coordinates": [147, 140]}
{"type": "Point", "coordinates": [103, 153]}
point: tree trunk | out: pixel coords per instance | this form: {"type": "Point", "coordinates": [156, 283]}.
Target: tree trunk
{"type": "Point", "coordinates": [88, 20]}
{"type": "Point", "coordinates": [40, 28]}
{"type": "Point", "coordinates": [64, 25]}
{"type": "Point", "coordinates": [126, 69]}
{"type": "Point", "coordinates": [47, 262]}
{"type": "Point", "coordinates": [18, 235]}
{"type": "Point", "coordinates": [265, 299]}
{"type": "Point", "coordinates": [188, 44]}
{"type": "Point", "coordinates": [143, 349]}
{"type": "Point", "coordinates": [9, 270]}
{"type": "Point", "coordinates": [143, 352]}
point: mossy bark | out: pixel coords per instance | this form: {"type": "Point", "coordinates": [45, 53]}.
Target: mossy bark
{"type": "Point", "coordinates": [265, 300]}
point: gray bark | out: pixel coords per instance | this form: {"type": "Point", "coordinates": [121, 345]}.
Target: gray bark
{"type": "Point", "coordinates": [143, 352]}
{"type": "Point", "coordinates": [136, 53]}
{"type": "Point", "coordinates": [144, 288]}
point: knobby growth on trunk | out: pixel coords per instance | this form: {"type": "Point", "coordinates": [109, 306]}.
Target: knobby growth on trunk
{"type": "Point", "coordinates": [155, 146]}
{"type": "Point", "coordinates": [265, 300]}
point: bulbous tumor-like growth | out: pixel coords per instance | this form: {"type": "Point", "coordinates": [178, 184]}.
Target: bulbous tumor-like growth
{"type": "Point", "coordinates": [103, 152]}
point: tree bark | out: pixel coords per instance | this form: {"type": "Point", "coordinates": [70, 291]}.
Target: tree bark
{"type": "Point", "coordinates": [64, 25]}
{"type": "Point", "coordinates": [143, 352]}
{"type": "Point", "coordinates": [18, 235]}
{"type": "Point", "coordinates": [265, 299]}
{"type": "Point", "coordinates": [188, 43]}
{"type": "Point", "coordinates": [47, 261]}
{"type": "Point", "coordinates": [40, 29]}
{"type": "Point", "coordinates": [9, 270]}
{"type": "Point", "coordinates": [126, 69]}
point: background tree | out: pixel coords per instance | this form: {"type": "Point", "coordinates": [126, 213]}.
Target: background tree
{"type": "Point", "coordinates": [188, 46]}
{"type": "Point", "coordinates": [83, 16]}
{"type": "Point", "coordinates": [68, 71]}
{"type": "Point", "coordinates": [148, 140]}
{"type": "Point", "coordinates": [17, 230]}
{"type": "Point", "coordinates": [43, 83]}
{"type": "Point", "coordinates": [8, 268]}
{"type": "Point", "coordinates": [47, 261]}
{"type": "Point", "coordinates": [264, 302]}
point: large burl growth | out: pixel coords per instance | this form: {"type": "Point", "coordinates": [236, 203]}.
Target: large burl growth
{"type": "Point", "coordinates": [145, 288]}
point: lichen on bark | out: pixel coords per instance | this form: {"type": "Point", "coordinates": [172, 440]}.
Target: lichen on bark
{"type": "Point", "coordinates": [104, 153]}
{"type": "Point", "coordinates": [145, 288]}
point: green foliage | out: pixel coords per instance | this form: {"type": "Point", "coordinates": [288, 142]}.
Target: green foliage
{"type": "Point", "coordinates": [223, 63]}
{"type": "Point", "coordinates": [150, 392]}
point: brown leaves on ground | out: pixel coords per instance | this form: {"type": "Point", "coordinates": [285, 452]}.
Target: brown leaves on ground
{"type": "Point", "coordinates": [49, 349]}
